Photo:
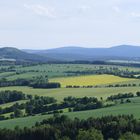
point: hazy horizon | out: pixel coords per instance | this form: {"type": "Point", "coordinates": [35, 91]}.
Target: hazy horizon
{"type": "Point", "coordinates": [35, 49]}
{"type": "Point", "coordinates": [39, 24]}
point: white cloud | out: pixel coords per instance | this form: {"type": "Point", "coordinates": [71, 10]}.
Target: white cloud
{"type": "Point", "coordinates": [41, 10]}
{"type": "Point", "coordinates": [135, 15]}
{"type": "Point", "coordinates": [116, 9]}
{"type": "Point", "coordinates": [83, 8]}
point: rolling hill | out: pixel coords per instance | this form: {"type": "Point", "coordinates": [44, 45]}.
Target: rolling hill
{"type": "Point", "coordinates": [80, 53]}
{"type": "Point", "coordinates": [123, 52]}
{"type": "Point", "coordinates": [19, 55]}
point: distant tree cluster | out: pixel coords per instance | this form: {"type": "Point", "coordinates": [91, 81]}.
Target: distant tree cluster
{"type": "Point", "coordinates": [18, 82]}
{"type": "Point", "coordinates": [37, 82]}
{"type": "Point", "coordinates": [12, 108]}
{"type": "Point", "coordinates": [106, 70]}
{"type": "Point", "coordinates": [43, 82]}
{"type": "Point", "coordinates": [107, 86]}
{"type": "Point", "coordinates": [85, 103]}
{"type": "Point", "coordinates": [74, 104]}
{"type": "Point", "coordinates": [45, 85]}
{"type": "Point", "coordinates": [120, 96]}
{"type": "Point", "coordinates": [11, 96]}
{"type": "Point", "coordinates": [76, 86]}
{"type": "Point", "coordinates": [123, 85]}
{"type": "Point", "coordinates": [34, 105]}
{"type": "Point", "coordinates": [49, 105]}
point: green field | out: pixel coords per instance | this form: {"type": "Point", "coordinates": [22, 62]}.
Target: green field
{"type": "Point", "coordinates": [58, 70]}
{"type": "Point", "coordinates": [130, 108]}
{"type": "Point", "coordinates": [67, 74]}
{"type": "Point", "coordinates": [61, 93]}
{"type": "Point", "coordinates": [11, 103]}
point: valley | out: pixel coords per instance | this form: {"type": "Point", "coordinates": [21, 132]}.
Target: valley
{"type": "Point", "coordinates": [31, 93]}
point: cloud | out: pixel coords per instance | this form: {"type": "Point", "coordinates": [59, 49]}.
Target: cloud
{"type": "Point", "coordinates": [135, 15]}
{"type": "Point", "coordinates": [116, 9]}
{"type": "Point", "coordinates": [41, 10]}
{"type": "Point", "coordinates": [83, 8]}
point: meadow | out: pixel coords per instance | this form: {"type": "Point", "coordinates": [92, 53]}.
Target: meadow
{"type": "Point", "coordinates": [73, 74]}
{"type": "Point", "coordinates": [57, 70]}
{"type": "Point", "coordinates": [61, 93]}
{"type": "Point", "coordinates": [129, 108]}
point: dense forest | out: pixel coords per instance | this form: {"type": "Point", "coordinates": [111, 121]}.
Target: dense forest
{"type": "Point", "coordinates": [123, 127]}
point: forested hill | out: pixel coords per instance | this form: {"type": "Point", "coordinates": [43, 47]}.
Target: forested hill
{"type": "Point", "coordinates": [80, 53]}
{"type": "Point", "coordinates": [19, 55]}
{"type": "Point", "coordinates": [123, 52]}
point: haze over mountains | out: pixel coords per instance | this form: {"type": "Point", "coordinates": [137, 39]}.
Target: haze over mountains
{"type": "Point", "coordinates": [72, 53]}
{"type": "Point", "coordinates": [16, 54]}
{"type": "Point", "coordinates": [80, 53]}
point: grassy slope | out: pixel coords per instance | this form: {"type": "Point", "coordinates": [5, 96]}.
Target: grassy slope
{"type": "Point", "coordinates": [130, 108]}
{"type": "Point", "coordinates": [59, 70]}
{"type": "Point", "coordinates": [59, 94]}
{"type": "Point", "coordinates": [11, 103]}
{"type": "Point", "coordinates": [27, 75]}
{"type": "Point", "coordinates": [73, 67]}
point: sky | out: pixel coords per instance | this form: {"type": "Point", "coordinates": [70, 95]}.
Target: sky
{"type": "Point", "coordinates": [44, 24]}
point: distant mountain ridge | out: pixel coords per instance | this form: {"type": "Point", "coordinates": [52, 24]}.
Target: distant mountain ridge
{"type": "Point", "coordinates": [72, 53]}
{"type": "Point", "coordinates": [19, 55]}
{"type": "Point", "coordinates": [81, 53]}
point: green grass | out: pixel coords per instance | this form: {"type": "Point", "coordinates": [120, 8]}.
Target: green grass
{"type": "Point", "coordinates": [128, 108]}
{"type": "Point", "coordinates": [6, 74]}
{"type": "Point", "coordinates": [74, 67]}
{"type": "Point", "coordinates": [27, 75]}
{"type": "Point", "coordinates": [22, 122]}
{"type": "Point", "coordinates": [7, 114]}
{"type": "Point", "coordinates": [115, 110]}
{"type": "Point", "coordinates": [60, 93]}
{"type": "Point", "coordinates": [59, 70]}
{"type": "Point", "coordinates": [11, 103]}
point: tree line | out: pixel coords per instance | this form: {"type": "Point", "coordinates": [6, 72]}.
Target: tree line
{"type": "Point", "coordinates": [11, 96]}
{"type": "Point", "coordinates": [33, 102]}
{"type": "Point", "coordinates": [36, 82]}
{"type": "Point", "coordinates": [121, 127]}
{"type": "Point", "coordinates": [49, 105]}
{"type": "Point", "coordinates": [120, 96]}
{"type": "Point", "coordinates": [107, 86]}
{"type": "Point", "coordinates": [106, 70]}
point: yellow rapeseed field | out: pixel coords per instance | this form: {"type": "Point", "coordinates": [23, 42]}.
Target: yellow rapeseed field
{"type": "Point", "coordinates": [90, 80]}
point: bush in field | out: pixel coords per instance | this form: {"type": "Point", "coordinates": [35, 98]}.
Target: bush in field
{"type": "Point", "coordinates": [138, 93]}
{"type": "Point", "coordinates": [18, 113]}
